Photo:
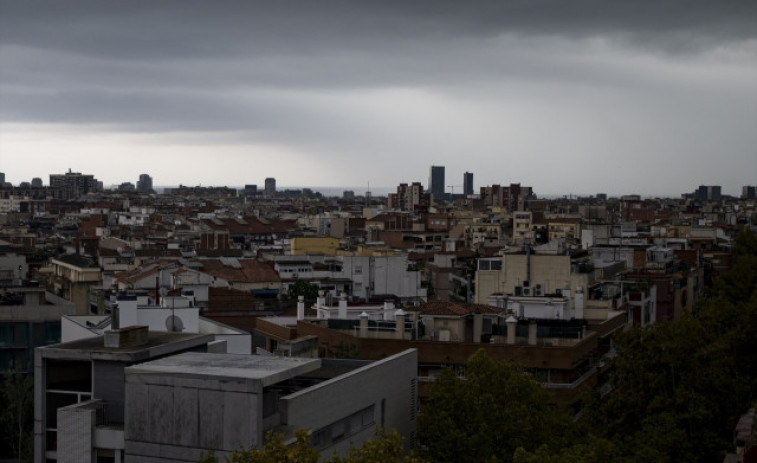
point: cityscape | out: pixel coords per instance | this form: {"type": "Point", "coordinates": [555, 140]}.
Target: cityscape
{"type": "Point", "coordinates": [145, 300]}
{"type": "Point", "coordinates": [362, 232]}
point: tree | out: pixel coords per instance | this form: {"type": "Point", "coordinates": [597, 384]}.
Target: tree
{"type": "Point", "coordinates": [17, 414]}
{"type": "Point", "coordinates": [485, 416]}
{"type": "Point", "coordinates": [303, 288]}
{"type": "Point", "coordinates": [679, 387]}
{"type": "Point", "coordinates": [387, 447]}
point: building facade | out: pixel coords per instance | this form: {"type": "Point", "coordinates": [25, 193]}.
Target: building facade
{"type": "Point", "coordinates": [436, 182]}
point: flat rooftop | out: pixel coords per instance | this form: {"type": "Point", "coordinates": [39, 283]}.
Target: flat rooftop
{"type": "Point", "coordinates": [266, 370]}
{"type": "Point", "coordinates": [158, 343]}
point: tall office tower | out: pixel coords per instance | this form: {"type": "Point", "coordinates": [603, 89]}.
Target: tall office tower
{"type": "Point", "coordinates": [2, 178]}
{"type": "Point", "coordinates": [436, 181]}
{"type": "Point", "coordinates": [144, 184]}
{"type": "Point", "coordinates": [708, 193]}
{"type": "Point", "coordinates": [468, 183]}
{"type": "Point", "coordinates": [37, 182]}
{"type": "Point", "coordinates": [72, 185]}
{"type": "Point", "coordinates": [748, 192]}
{"type": "Point", "coordinates": [270, 186]}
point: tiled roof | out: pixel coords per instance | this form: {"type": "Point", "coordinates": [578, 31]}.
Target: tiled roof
{"type": "Point", "coordinates": [249, 226]}
{"type": "Point", "coordinates": [249, 271]}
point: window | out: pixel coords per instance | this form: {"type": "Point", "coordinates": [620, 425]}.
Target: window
{"type": "Point", "coordinates": [344, 428]}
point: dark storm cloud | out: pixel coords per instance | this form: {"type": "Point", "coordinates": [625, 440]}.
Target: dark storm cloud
{"type": "Point", "coordinates": [64, 59]}
{"type": "Point", "coordinates": [336, 78]}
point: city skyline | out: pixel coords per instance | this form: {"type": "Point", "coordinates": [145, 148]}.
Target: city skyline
{"type": "Point", "coordinates": [376, 190]}
{"type": "Point", "coordinates": [650, 98]}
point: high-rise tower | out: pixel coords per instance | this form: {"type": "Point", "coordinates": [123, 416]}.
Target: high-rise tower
{"type": "Point", "coordinates": [436, 181]}
{"type": "Point", "coordinates": [468, 183]}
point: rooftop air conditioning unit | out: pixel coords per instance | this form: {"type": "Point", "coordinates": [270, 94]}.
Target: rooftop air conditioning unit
{"type": "Point", "coordinates": [538, 290]}
{"type": "Point", "coordinates": [526, 291]}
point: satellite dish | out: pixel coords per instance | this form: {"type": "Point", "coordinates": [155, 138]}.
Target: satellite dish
{"type": "Point", "coordinates": [120, 249]}
{"type": "Point", "coordinates": [163, 292]}
{"type": "Point", "coordinates": [174, 323]}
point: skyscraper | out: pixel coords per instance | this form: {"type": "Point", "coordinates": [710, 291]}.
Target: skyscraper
{"type": "Point", "coordinates": [270, 186]}
{"type": "Point", "coordinates": [468, 183]}
{"type": "Point", "coordinates": [144, 184]}
{"type": "Point", "coordinates": [436, 181]}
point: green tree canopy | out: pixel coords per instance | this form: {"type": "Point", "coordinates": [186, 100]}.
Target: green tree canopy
{"type": "Point", "coordinates": [387, 447]}
{"type": "Point", "coordinates": [680, 386]}
{"type": "Point", "coordinates": [303, 288]}
{"type": "Point", "coordinates": [485, 416]}
{"type": "Point", "coordinates": [17, 415]}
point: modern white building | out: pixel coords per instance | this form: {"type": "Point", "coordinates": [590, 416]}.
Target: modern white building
{"type": "Point", "coordinates": [176, 314]}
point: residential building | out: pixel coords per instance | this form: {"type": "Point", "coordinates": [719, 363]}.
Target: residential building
{"type": "Point", "coordinates": [409, 198]}
{"type": "Point", "coordinates": [72, 185]}
{"type": "Point", "coordinates": [72, 277]}
{"type": "Point", "coordinates": [522, 223]}
{"type": "Point", "coordinates": [270, 187]}
{"type": "Point", "coordinates": [564, 350]}
{"type": "Point", "coordinates": [29, 317]}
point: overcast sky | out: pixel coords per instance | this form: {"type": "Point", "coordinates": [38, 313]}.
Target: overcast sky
{"type": "Point", "coordinates": [652, 97]}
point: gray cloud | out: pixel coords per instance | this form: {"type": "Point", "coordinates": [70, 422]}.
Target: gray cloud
{"type": "Point", "coordinates": [410, 82]}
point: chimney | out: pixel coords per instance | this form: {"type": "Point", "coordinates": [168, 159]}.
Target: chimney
{"type": "Point", "coordinates": [578, 304]}
{"type": "Point", "coordinates": [532, 333]}
{"type": "Point", "coordinates": [114, 321]}
{"type": "Point", "coordinates": [478, 326]}
{"type": "Point", "coordinates": [343, 306]}
{"type": "Point", "coordinates": [512, 323]}
{"type": "Point", "coordinates": [388, 310]}
{"type": "Point", "coordinates": [130, 336]}
{"type": "Point", "coordinates": [399, 324]}
{"type": "Point", "coordinates": [363, 325]}
{"type": "Point", "coordinates": [300, 307]}
{"type": "Point", "coordinates": [157, 291]}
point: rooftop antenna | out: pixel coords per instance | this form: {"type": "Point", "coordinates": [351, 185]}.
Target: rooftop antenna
{"type": "Point", "coordinates": [368, 195]}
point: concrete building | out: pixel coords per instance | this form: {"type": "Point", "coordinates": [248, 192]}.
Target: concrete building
{"type": "Point", "coordinates": [550, 337]}
{"type": "Point", "coordinates": [468, 184]}
{"type": "Point", "coordinates": [144, 184]}
{"type": "Point", "coordinates": [522, 223]}
{"type": "Point", "coordinates": [409, 198]}
{"type": "Point", "coordinates": [141, 396]}
{"type": "Point", "coordinates": [270, 187]}
{"type": "Point", "coordinates": [240, 398]}
{"type": "Point", "coordinates": [71, 185]}
{"type": "Point", "coordinates": [436, 182]}
{"type": "Point", "coordinates": [73, 276]}
{"type": "Point", "coordinates": [171, 313]}
{"type": "Point", "coordinates": [361, 277]}
{"type": "Point", "coordinates": [29, 318]}
{"type": "Point", "coordinates": [527, 275]}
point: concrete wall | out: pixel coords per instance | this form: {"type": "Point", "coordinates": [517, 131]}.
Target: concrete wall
{"type": "Point", "coordinates": [387, 387]}
{"type": "Point", "coordinates": [75, 434]}
{"type": "Point", "coordinates": [174, 419]}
